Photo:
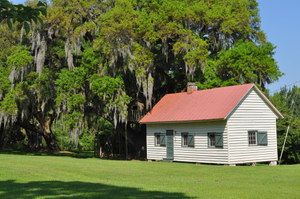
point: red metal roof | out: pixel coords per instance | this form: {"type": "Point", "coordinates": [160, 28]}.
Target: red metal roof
{"type": "Point", "coordinates": [208, 104]}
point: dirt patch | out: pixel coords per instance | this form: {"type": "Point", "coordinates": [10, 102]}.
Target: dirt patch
{"type": "Point", "coordinates": [45, 151]}
{"type": "Point", "coordinates": [65, 152]}
{"type": "Point", "coordinates": [48, 151]}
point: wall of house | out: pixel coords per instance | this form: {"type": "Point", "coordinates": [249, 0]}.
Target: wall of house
{"type": "Point", "coordinates": [200, 152]}
{"type": "Point", "coordinates": [252, 113]}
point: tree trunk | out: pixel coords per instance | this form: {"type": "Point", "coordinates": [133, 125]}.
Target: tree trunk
{"type": "Point", "coordinates": [43, 129]}
{"type": "Point", "coordinates": [51, 141]}
{"type": "Point", "coordinates": [34, 139]}
{"type": "Point", "coordinates": [1, 134]}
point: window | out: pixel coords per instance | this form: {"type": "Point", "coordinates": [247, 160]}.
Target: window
{"type": "Point", "coordinates": [159, 139]}
{"type": "Point", "coordinates": [215, 139]}
{"type": "Point", "coordinates": [252, 137]}
{"type": "Point", "coordinates": [257, 137]}
{"type": "Point", "coordinates": [212, 140]}
{"type": "Point", "coordinates": [187, 139]}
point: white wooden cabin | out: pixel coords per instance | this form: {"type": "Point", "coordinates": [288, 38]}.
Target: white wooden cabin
{"type": "Point", "coordinates": [228, 125]}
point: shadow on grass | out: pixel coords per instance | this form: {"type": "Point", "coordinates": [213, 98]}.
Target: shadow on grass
{"type": "Point", "coordinates": [59, 189]}
{"type": "Point", "coordinates": [74, 154]}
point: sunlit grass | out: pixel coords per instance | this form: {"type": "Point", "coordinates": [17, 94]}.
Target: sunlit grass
{"type": "Point", "coordinates": [25, 176]}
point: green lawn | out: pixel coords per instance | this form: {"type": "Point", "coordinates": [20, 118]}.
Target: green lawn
{"type": "Point", "coordinates": [31, 176]}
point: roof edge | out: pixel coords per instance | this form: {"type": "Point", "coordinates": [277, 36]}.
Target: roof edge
{"type": "Point", "coordinates": [226, 117]}
{"type": "Point", "coordinates": [185, 121]}
{"type": "Point", "coordinates": [269, 102]}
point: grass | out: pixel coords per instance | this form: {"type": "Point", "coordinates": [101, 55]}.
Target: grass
{"type": "Point", "coordinates": [74, 153]}
{"type": "Point", "coordinates": [45, 176]}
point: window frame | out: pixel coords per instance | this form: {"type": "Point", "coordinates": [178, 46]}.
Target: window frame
{"type": "Point", "coordinates": [218, 140]}
{"type": "Point", "coordinates": [209, 140]}
{"type": "Point", "coordinates": [184, 139]}
{"type": "Point", "coordinates": [250, 138]}
{"type": "Point", "coordinates": [261, 138]}
{"type": "Point", "coordinates": [162, 138]}
{"type": "Point", "coordinates": [187, 139]}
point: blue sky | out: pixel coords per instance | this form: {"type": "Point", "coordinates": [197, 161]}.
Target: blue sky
{"type": "Point", "coordinates": [281, 22]}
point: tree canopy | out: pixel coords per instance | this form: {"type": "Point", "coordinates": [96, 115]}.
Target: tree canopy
{"type": "Point", "coordinates": [22, 14]}
{"type": "Point", "coordinates": [91, 61]}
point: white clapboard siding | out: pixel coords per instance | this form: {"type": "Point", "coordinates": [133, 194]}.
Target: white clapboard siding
{"type": "Point", "coordinates": [252, 113]}
{"type": "Point", "coordinates": [200, 152]}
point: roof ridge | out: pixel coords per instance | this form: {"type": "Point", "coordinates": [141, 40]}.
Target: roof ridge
{"type": "Point", "coordinates": [222, 87]}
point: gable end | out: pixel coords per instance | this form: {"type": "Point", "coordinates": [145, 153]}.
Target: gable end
{"type": "Point", "coordinates": [263, 97]}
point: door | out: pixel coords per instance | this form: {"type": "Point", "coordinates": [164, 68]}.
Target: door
{"type": "Point", "coordinates": [170, 144]}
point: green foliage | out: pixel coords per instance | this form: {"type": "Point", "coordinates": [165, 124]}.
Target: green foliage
{"type": "Point", "coordinates": [248, 62]}
{"type": "Point", "coordinates": [210, 78]}
{"type": "Point", "coordinates": [288, 102]}
{"type": "Point", "coordinates": [57, 48]}
{"type": "Point", "coordinates": [13, 139]}
{"type": "Point", "coordinates": [8, 106]}
{"type": "Point", "coordinates": [142, 57]}
{"type": "Point", "coordinates": [86, 141]}
{"type": "Point", "coordinates": [111, 90]}
{"type": "Point", "coordinates": [70, 86]}
{"type": "Point", "coordinates": [91, 59]}
{"type": "Point", "coordinates": [20, 57]}
{"type": "Point", "coordinates": [167, 43]}
{"type": "Point", "coordinates": [99, 127]}
{"type": "Point", "coordinates": [4, 81]}
{"type": "Point", "coordinates": [22, 14]}
{"type": "Point", "coordinates": [73, 119]}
